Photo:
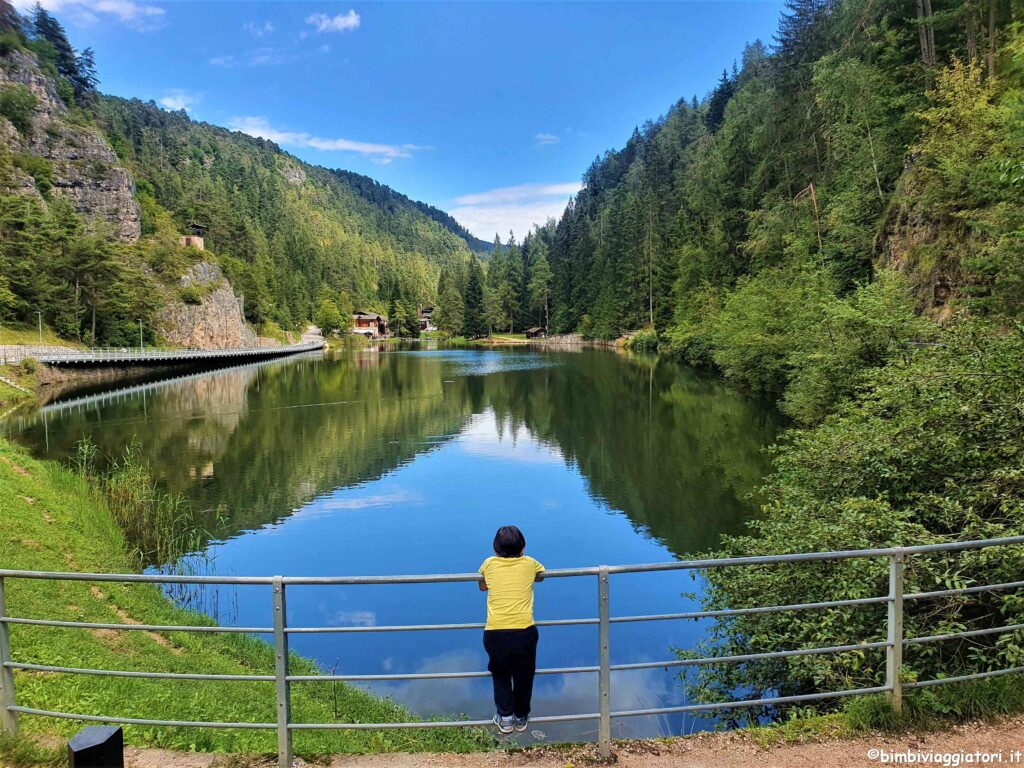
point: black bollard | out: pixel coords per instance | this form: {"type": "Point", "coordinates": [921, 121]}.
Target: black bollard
{"type": "Point", "coordinates": [97, 746]}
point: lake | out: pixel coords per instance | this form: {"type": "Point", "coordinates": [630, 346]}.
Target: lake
{"type": "Point", "coordinates": [404, 459]}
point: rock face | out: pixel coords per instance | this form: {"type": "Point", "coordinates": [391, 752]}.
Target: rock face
{"type": "Point", "coordinates": [85, 169]}
{"type": "Point", "coordinates": [214, 323]}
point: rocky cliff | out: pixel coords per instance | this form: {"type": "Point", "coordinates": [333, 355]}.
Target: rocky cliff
{"type": "Point", "coordinates": [205, 313]}
{"type": "Point", "coordinates": [79, 163]}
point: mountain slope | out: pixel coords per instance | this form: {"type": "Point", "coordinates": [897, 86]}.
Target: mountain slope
{"type": "Point", "coordinates": [284, 230]}
{"type": "Point", "coordinates": [867, 136]}
{"type": "Point", "coordinates": [95, 192]}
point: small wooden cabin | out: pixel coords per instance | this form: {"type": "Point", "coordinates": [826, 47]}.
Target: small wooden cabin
{"type": "Point", "coordinates": [535, 333]}
{"type": "Point", "coordinates": [370, 324]}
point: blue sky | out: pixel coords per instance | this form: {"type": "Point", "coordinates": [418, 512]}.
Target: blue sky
{"type": "Point", "coordinates": [489, 110]}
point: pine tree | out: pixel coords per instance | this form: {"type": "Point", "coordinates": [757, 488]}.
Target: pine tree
{"type": "Point", "coordinates": [449, 310]}
{"type": "Point", "coordinates": [540, 283]}
{"type": "Point", "coordinates": [46, 28]}
{"type": "Point", "coordinates": [474, 325]}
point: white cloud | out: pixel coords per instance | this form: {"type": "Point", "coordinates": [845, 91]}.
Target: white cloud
{"type": "Point", "coordinates": [343, 22]}
{"type": "Point", "coordinates": [516, 208]}
{"type": "Point", "coordinates": [258, 29]}
{"type": "Point", "coordinates": [259, 127]}
{"type": "Point", "coordinates": [546, 138]}
{"type": "Point", "coordinates": [267, 55]}
{"type": "Point", "coordinates": [179, 99]}
{"type": "Point", "coordinates": [138, 15]}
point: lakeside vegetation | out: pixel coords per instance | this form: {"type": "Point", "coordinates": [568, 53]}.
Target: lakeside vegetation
{"type": "Point", "coordinates": [58, 519]}
{"type": "Point", "coordinates": [839, 226]}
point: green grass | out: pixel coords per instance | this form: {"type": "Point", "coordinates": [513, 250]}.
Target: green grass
{"type": "Point", "coordinates": [924, 709]}
{"type": "Point", "coordinates": [29, 334]}
{"type": "Point", "coordinates": [21, 375]}
{"type": "Point", "coordinates": [52, 519]}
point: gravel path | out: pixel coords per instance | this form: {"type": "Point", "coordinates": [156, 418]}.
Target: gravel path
{"type": "Point", "coordinates": [970, 744]}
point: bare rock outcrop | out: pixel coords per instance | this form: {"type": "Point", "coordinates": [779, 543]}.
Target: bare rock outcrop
{"type": "Point", "coordinates": [85, 169]}
{"type": "Point", "coordinates": [212, 318]}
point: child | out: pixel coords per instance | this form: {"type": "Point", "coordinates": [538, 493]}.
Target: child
{"type": "Point", "coordinates": [510, 636]}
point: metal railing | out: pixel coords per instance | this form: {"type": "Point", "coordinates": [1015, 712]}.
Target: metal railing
{"type": "Point", "coordinates": [895, 642]}
{"type": "Point", "coordinates": [108, 355]}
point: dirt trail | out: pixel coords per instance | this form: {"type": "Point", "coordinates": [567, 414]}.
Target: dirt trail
{"type": "Point", "coordinates": [969, 744]}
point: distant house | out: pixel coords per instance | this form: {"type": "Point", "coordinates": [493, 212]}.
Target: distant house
{"type": "Point", "coordinates": [195, 237]}
{"type": "Point", "coordinates": [535, 333]}
{"type": "Point", "coordinates": [427, 320]}
{"type": "Point", "coordinates": [370, 324]}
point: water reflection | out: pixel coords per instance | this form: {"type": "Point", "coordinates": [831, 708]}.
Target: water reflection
{"type": "Point", "coordinates": [386, 460]}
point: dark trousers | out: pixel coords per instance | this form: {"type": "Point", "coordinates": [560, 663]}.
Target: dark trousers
{"type": "Point", "coordinates": [513, 662]}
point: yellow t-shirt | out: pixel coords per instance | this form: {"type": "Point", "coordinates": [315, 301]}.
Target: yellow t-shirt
{"type": "Point", "coordinates": [510, 591]}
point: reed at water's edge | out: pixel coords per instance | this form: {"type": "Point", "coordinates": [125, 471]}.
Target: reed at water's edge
{"type": "Point", "coordinates": [55, 518]}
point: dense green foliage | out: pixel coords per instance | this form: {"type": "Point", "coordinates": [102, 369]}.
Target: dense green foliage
{"type": "Point", "coordinates": [514, 293]}
{"type": "Point", "coordinates": [283, 231]}
{"type": "Point", "coordinates": [933, 450]}
{"type": "Point", "coordinates": [293, 238]}
{"type": "Point", "coordinates": [840, 225]}
{"type": "Point", "coordinates": [855, 144]}
{"type": "Point", "coordinates": [87, 286]}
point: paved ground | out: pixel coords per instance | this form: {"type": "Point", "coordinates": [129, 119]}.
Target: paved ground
{"type": "Point", "coordinates": [971, 744]}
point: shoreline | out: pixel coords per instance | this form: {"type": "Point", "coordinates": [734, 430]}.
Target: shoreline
{"type": "Point", "coordinates": [58, 522]}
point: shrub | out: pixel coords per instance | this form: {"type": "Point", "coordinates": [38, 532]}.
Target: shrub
{"type": "Point", "coordinates": [17, 104]}
{"type": "Point", "coordinates": [928, 452]}
{"type": "Point", "coordinates": [191, 294]}
{"type": "Point", "coordinates": [29, 365]}
{"type": "Point", "coordinates": [39, 168]}
{"type": "Point", "coordinates": [644, 340]}
{"type": "Point", "coordinates": [9, 41]}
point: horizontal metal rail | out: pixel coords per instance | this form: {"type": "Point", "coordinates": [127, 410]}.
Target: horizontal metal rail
{"type": "Point", "coordinates": [965, 590]}
{"type": "Point", "coordinates": [107, 355]}
{"type": "Point", "coordinates": [968, 633]}
{"type": "Point", "coordinates": [428, 724]}
{"type": "Point", "coordinates": [680, 565]}
{"type": "Point", "coordinates": [746, 703]}
{"type": "Point", "coordinates": [964, 678]}
{"type": "Point", "coordinates": [137, 720]}
{"type": "Point", "coordinates": [137, 627]}
{"type": "Point", "coordinates": [144, 675]}
{"type": "Point", "coordinates": [893, 646]}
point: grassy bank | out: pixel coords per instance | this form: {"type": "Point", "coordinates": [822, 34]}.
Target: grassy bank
{"type": "Point", "coordinates": [53, 519]}
{"type": "Point", "coordinates": [22, 375]}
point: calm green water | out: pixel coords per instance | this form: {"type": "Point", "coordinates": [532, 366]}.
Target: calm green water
{"type": "Point", "coordinates": [405, 460]}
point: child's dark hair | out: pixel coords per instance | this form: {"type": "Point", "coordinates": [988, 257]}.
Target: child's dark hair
{"type": "Point", "coordinates": [509, 542]}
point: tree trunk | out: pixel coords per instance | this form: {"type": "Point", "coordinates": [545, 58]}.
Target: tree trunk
{"type": "Point", "coordinates": [874, 164]}
{"type": "Point", "coordinates": [971, 31]}
{"type": "Point", "coordinates": [930, 27]}
{"type": "Point", "coordinates": [92, 341]}
{"type": "Point", "coordinates": [991, 53]}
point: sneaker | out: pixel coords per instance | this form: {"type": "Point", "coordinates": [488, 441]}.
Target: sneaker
{"type": "Point", "coordinates": [521, 724]}
{"type": "Point", "coordinates": [503, 724]}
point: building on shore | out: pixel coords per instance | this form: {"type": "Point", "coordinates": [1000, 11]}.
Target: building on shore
{"type": "Point", "coordinates": [370, 324]}
{"type": "Point", "coordinates": [427, 320]}
{"type": "Point", "coordinates": [535, 333]}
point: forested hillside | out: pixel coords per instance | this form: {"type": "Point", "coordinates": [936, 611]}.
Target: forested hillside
{"type": "Point", "coordinates": [839, 225]}
{"type": "Point", "coordinates": [285, 231]}
{"type": "Point", "coordinates": [866, 136]}
{"type": "Point", "coordinates": [300, 242]}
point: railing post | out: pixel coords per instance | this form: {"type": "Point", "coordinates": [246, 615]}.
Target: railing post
{"type": "Point", "coordinates": [284, 698]}
{"type": "Point", "coordinates": [894, 636]}
{"type": "Point", "coordinates": [604, 676]}
{"type": "Point", "coordinates": [8, 719]}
